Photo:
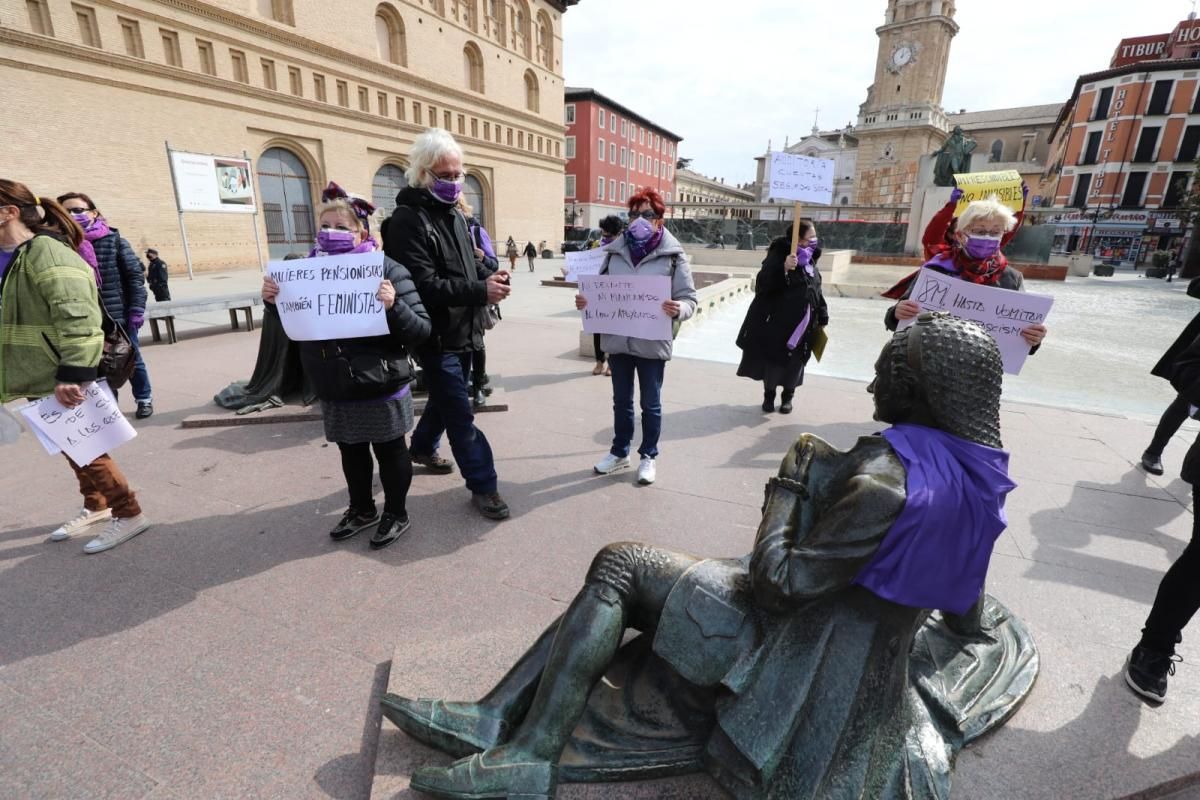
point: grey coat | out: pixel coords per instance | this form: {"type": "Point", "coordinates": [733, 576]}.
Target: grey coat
{"type": "Point", "coordinates": [658, 262]}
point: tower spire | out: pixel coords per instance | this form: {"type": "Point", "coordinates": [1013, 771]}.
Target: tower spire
{"type": "Point", "coordinates": [817, 113]}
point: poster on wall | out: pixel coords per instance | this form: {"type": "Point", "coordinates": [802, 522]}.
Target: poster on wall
{"type": "Point", "coordinates": [212, 183]}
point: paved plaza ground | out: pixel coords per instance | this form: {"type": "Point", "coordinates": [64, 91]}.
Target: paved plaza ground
{"type": "Point", "coordinates": [234, 651]}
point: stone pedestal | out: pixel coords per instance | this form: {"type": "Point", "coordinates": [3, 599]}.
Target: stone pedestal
{"type": "Point", "coordinates": [927, 199]}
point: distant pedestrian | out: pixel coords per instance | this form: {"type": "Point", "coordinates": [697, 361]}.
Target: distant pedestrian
{"type": "Point", "coordinates": [156, 276]}
{"type": "Point", "coordinates": [531, 254]}
{"type": "Point", "coordinates": [376, 411]}
{"type": "Point", "coordinates": [122, 285]}
{"type": "Point", "coordinates": [511, 253]}
{"type": "Point", "coordinates": [784, 318]}
{"type": "Point", "coordinates": [1172, 266]}
{"type": "Point", "coordinates": [721, 239]}
{"type": "Point", "coordinates": [51, 343]}
{"type": "Point", "coordinates": [486, 264]}
{"type": "Point", "coordinates": [429, 235]}
{"type": "Point", "coordinates": [610, 228]}
{"type": "Point", "coordinates": [647, 248]}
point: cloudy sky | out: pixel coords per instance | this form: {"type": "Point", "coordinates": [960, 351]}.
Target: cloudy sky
{"type": "Point", "coordinates": [726, 76]}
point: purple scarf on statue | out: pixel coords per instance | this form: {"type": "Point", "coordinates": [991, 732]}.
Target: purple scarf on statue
{"type": "Point", "coordinates": [368, 245]}
{"type": "Point", "coordinates": [936, 553]}
{"type": "Point", "coordinates": [639, 250]}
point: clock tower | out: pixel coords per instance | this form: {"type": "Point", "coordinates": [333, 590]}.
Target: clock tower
{"type": "Point", "coordinates": [902, 118]}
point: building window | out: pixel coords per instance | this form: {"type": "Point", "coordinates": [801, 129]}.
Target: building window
{"type": "Point", "coordinates": [446, 120]}
{"type": "Point", "coordinates": [487, 130]}
{"type": "Point", "coordinates": [612, 123]}
{"type": "Point", "coordinates": [1092, 151]}
{"type": "Point", "coordinates": [540, 144]}
{"type": "Point", "coordinates": [570, 187]}
{"type": "Point", "coordinates": [1103, 101]}
{"type": "Point", "coordinates": [532, 99]}
{"type": "Point", "coordinates": [622, 191]}
{"type": "Point", "coordinates": [1083, 184]}
{"type": "Point", "coordinates": [296, 81]}
{"type": "Point", "coordinates": [570, 147]}
{"type": "Point", "coordinates": [508, 137]}
{"type": "Point", "coordinates": [641, 163]}
{"type": "Point", "coordinates": [268, 73]}
{"type": "Point", "coordinates": [474, 128]}
{"type": "Point", "coordinates": [39, 17]}
{"type": "Point", "coordinates": [433, 117]}
{"type": "Point", "coordinates": [319, 87]}
{"type": "Point", "coordinates": [569, 111]}
{"type": "Point", "coordinates": [557, 149]}
{"type": "Point", "coordinates": [641, 136]}
{"type": "Point", "coordinates": [381, 103]}
{"type": "Point", "coordinates": [1159, 97]}
{"type": "Point", "coordinates": [1134, 184]}
{"type": "Point", "coordinates": [601, 118]}
{"type": "Point", "coordinates": [545, 41]}
{"type": "Point", "coordinates": [656, 172]}
{"type": "Point", "coordinates": [624, 155]}
{"type": "Point", "coordinates": [208, 57]}
{"type": "Point", "coordinates": [416, 109]}
{"type": "Point", "coordinates": [170, 45]}
{"type": "Point", "coordinates": [400, 106]}
{"type": "Point", "coordinates": [612, 152]}
{"type": "Point", "coordinates": [89, 31]}
{"type": "Point", "coordinates": [658, 142]}
{"type": "Point", "coordinates": [602, 149]}
{"type": "Point", "coordinates": [364, 99]}
{"type": "Point", "coordinates": [131, 33]}
{"type": "Point", "coordinates": [624, 129]}
{"type": "Point", "coordinates": [997, 151]}
{"type": "Point", "coordinates": [473, 67]}
{"type": "Point", "coordinates": [277, 10]}
{"type": "Point", "coordinates": [389, 35]}
{"type": "Point", "coordinates": [462, 125]}
{"type": "Point", "coordinates": [1147, 143]}
{"type": "Point", "coordinates": [1196, 103]}
{"type": "Point", "coordinates": [240, 73]}
{"type": "Point", "coordinates": [1190, 144]}
{"type": "Point", "coordinates": [343, 94]}
{"type": "Point", "coordinates": [612, 188]}
{"type": "Point", "coordinates": [600, 188]}
{"type": "Point", "coordinates": [1176, 189]}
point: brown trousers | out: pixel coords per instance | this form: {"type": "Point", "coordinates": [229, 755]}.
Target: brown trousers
{"type": "Point", "coordinates": [103, 485]}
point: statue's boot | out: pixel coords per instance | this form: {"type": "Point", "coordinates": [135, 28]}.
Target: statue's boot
{"type": "Point", "coordinates": [459, 729]}
{"type": "Point", "coordinates": [473, 778]}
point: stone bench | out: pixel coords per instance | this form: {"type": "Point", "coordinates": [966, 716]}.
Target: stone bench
{"type": "Point", "coordinates": [234, 303]}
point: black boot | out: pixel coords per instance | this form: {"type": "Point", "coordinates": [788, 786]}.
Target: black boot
{"type": "Point", "coordinates": [785, 405]}
{"type": "Point", "coordinates": [768, 401]}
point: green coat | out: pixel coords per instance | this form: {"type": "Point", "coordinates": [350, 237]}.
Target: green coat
{"type": "Point", "coordinates": [49, 320]}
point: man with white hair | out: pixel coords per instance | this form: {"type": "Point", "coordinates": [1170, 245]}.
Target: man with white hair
{"type": "Point", "coordinates": [428, 234]}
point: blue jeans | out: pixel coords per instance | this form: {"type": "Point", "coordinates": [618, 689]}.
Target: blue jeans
{"type": "Point", "coordinates": [650, 373]}
{"type": "Point", "coordinates": [139, 381]}
{"type": "Point", "coordinates": [449, 410]}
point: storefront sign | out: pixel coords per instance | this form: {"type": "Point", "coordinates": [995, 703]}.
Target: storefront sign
{"type": "Point", "coordinates": [1139, 48]}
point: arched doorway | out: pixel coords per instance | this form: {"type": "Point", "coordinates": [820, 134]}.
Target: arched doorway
{"type": "Point", "coordinates": [473, 194]}
{"type": "Point", "coordinates": [286, 195]}
{"type": "Point", "coordinates": [388, 182]}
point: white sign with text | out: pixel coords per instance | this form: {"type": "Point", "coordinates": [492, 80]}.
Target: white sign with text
{"type": "Point", "coordinates": [1003, 313]}
{"type": "Point", "coordinates": [800, 178]}
{"type": "Point", "coordinates": [212, 183]}
{"type": "Point", "coordinates": [584, 262]}
{"type": "Point", "coordinates": [330, 297]}
{"type": "Point", "coordinates": [626, 305]}
{"type": "Point", "coordinates": [94, 427]}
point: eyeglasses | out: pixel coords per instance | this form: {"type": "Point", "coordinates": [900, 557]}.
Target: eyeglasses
{"type": "Point", "coordinates": [449, 176]}
{"type": "Point", "coordinates": [77, 210]}
{"type": "Point", "coordinates": [647, 214]}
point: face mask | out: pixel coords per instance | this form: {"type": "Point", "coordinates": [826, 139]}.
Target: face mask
{"type": "Point", "coordinates": [446, 191]}
{"type": "Point", "coordinates": [641, 229]}
{"type": "Point", "coordinates": [331, 240]}
{"type": "Point", "coordinates": [83, 219]}
{"type": "Point", "coordinates": [980, 247]}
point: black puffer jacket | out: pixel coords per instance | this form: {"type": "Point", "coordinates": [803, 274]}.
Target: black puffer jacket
{"type": "Point", "coordinates": [124, 286]}
{"type": "Point", "coordinates": [442, 266]}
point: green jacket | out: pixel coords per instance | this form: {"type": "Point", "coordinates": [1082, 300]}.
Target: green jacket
{"type": "Point", "coordinates": [49, 320]}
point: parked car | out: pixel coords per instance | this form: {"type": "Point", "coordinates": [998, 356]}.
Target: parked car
{"type": "Point", "coordinates": [576, 239]}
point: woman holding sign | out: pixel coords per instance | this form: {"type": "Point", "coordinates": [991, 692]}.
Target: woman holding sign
{"type": "Point", "coordinates": [51, 343]}
{"type": "Point", "coordinates": [647, 248]}
{"type": "Point", "coordinates": [377, 410]}
{"type": "Point", "coordinates": [973, 255]}
{"type": "Point", "coordinates": [777, 335]}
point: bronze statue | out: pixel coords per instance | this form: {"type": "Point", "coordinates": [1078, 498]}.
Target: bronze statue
{"type": "Point", "coordinates": [953, 157]}
{"type": "Point", "coordinates": [810, 668]}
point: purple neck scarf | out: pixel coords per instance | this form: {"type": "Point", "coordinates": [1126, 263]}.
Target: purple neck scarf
{"type": "Point", "coordinates": [798, 334]}
{"type": "Point", "coordinates": [367, 245]}
{"type": "Point", "coordinates": [97, 230]}
{"type": "Point", "coordinates": [88, 254]}
{"type": "Point", "coordinates": [936, 553]}
{"type": "Point", "coordinates": [639, 250]}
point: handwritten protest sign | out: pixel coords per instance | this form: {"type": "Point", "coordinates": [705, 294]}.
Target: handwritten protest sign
{"type": "Point", "coordinates": [1003, 313]}
{"type": "Point", "coordinates": [1005, 185]}
{"type": "Point", "coordinates": [585, 262]}
{"type": "Point", "coordinates": [332, 297]}
{"type": "Point", "coordinates": [85, 432]}
{"type": "Point", "coordinates": [801, 179]}
{"type": "Point", "coordinates": [626, 305]}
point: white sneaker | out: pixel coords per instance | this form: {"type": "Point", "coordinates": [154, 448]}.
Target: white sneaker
{"type": "Point", "coordinates": [646, 473]}
{"type": "Point", "coordinates": [610, 464]}
{"type": "Point", "coordinates": [84, 519]}
{"type": "Point", "coordinates": [116, 531]}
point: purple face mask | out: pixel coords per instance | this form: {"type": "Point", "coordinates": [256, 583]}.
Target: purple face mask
{"type": "Point", "coordinates": [83, 219]}
{"type": "Point", "coordinates": [446, 191]}
{"type": "Point", "coordinates": [333, 241]}
{"type": "Point", "coordinates": [641, 229]}
{"type": "Point", "coordinates": [981, 247]}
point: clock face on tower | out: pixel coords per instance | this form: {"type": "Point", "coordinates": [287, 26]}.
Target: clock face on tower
{"type": "Point", "coordinates": [902, 56]}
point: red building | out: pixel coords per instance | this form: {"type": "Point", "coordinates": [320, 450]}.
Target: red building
{"type": "Point", "coordinates": [1125, 147]}
{"type": "Point", "coordinates": [612, 153]}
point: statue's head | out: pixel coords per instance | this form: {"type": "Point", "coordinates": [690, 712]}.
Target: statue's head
{"type": "Point", "coordinates": [957, 131]}
{"type": "Point", "coordinates": [942, 372]}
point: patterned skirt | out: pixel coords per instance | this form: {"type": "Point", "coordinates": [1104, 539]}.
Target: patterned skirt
{"type": "Point", "coordinates": [374, 421]}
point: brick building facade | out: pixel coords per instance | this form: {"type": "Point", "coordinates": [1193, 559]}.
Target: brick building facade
{"type": "Point", "coordinates": [312, 91]}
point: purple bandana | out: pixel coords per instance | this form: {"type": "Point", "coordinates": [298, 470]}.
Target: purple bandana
{"type": "Point", "coordinates": [639, 250]}
{"type": "Point", "coordinates": [936, 553]}
{"type": "Point", "coordinates": [97, 230]}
